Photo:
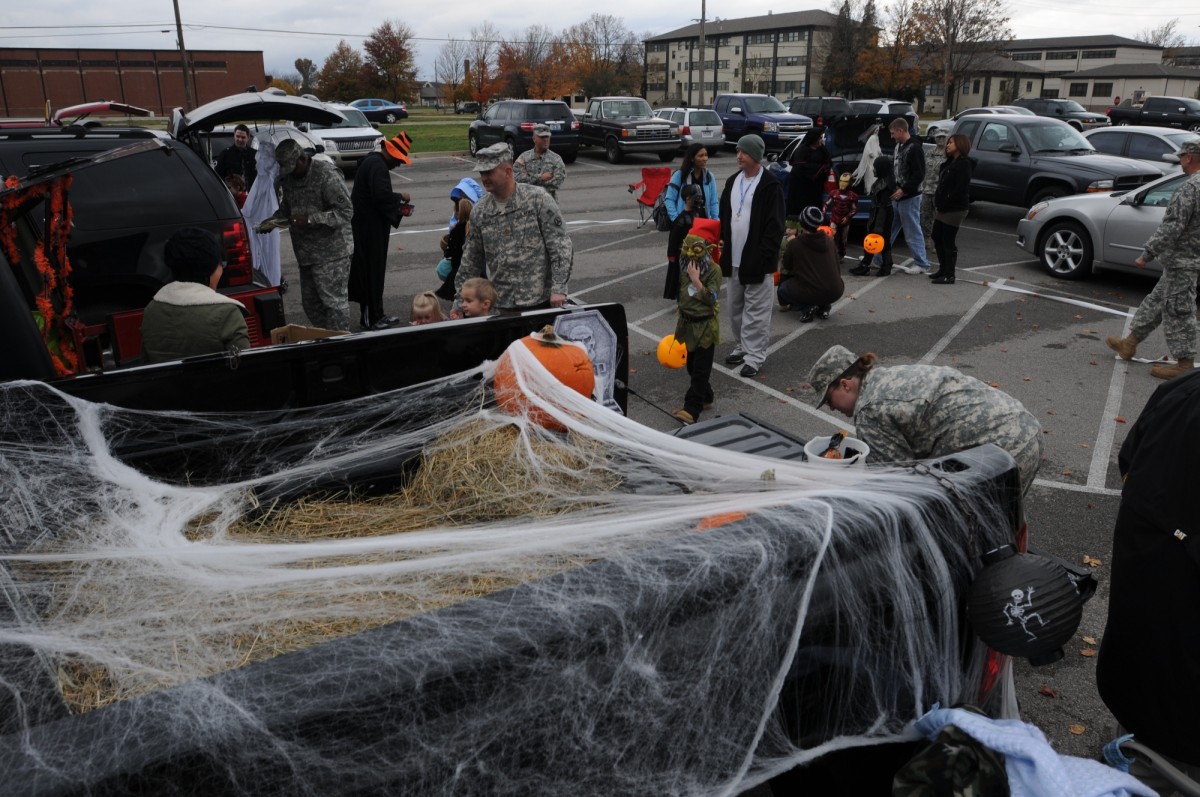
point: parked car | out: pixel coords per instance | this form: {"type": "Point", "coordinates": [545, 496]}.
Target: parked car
{"type": "Point", "coordinates": [1153, 145]}
{"type": "Point", "coordinates": [470, 106]}
{"type": "Point", "coordinates": [946, 125]}
{"type": "Point", "coordinates": [822, 110]}
{"type": "Point", "coordinates": [1068, 111]}
{"type": "Point", "coordinates": [626, 126]}
{"type": "Point", "coordinates": [349, 140]}
{"type": "Point", "coordinates": [512, 121]}
{"type": "Point", "coordinates": [763, 115]}
{"type": "Point", "coordinates": [1022, 160]}
{"type": "Point", "coordinates": [892, 108]}
{"type": "Point", "coordinates": [696, 126]}
{"type": "Point", "coordinates": [384, 111]}
{"type": "Point", "coordinates": [1178, 112]}
{"type": "Point", "coordinates": [1074, 236]}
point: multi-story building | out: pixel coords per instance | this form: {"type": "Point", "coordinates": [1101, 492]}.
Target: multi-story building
{"type": "Point", "coordinates": [777, 54]}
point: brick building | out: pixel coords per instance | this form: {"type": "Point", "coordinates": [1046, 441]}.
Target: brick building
{"type": "Point", "coordinates": [150, 79]}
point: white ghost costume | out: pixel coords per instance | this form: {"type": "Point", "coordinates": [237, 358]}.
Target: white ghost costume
{"type": "Point", "coordinates": [261, 203]}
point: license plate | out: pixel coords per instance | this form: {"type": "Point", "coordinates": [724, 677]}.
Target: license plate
{"type": "Point", "coordinates": [555, 125]}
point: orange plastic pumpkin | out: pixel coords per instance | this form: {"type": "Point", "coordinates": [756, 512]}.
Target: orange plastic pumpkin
{"type": "Point", "coordinates": [873, 243]}
{"type": "Point", "coordinates": [567, 362]}
{"type": "Point", "coordinates": [671, 352]}
{"type": "Point", "coordinates": [825, 228]}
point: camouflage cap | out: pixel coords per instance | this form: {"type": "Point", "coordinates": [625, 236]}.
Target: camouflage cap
{"type": "Point", "coordinates": [490, 157]}
{"type": "Point", "coordinates": [825, 371]}
{"type": "Point", "coordinates": [541, 131]}
{"type": "Point", "coordinates": [1190, 148]}
{"type": "Point", "coordinates": [287, 155]}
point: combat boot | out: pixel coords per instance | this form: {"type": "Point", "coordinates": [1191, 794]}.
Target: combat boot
{"type": "Point", "coordinates": [1124, 347]}
{"type": "Point", "coordinates": [1183, 365]}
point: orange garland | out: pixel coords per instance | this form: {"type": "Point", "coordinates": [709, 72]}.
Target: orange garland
{"type": "Point", "coordinates": [55, 276]}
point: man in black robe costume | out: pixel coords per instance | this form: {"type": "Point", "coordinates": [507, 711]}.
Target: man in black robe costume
{"type": "Point", "coordinates": [376, 208]}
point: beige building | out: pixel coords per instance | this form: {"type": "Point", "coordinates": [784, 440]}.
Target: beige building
{"type": "Point", "coordinates": [777, 54]}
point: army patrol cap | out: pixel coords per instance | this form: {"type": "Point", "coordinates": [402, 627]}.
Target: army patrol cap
{"type": "Point", "coordinates": [491, 157]}
{"type": "Point", "coordinates": [541, 131]}
{"type": "Point", "coordinates": [826, 370]}
{"type": "Point", "coordinates": [1190, 148]}
{"type": "Point", "coordinates": [287, 154]}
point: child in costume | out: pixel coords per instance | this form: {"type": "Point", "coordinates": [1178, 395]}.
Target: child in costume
{"type": "Point", "coordinates": [882, 215]}
{"type": "Point", "coordinates": [698, 327]}
{"type": "Point", "coordinates": [841, 205]}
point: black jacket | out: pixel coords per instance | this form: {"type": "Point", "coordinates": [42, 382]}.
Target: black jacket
{"type": "Point", "coordinates": [761, 254]}
{"type": "Point", "coordinates": [240, 162]}
{"type": "Point", "coordinates": [910, 167]}
{"type": "Point", "coordinates": [954, 185]}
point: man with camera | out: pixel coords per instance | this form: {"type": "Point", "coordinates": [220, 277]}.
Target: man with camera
{"type": "Point", "coordinates": [376, 209]}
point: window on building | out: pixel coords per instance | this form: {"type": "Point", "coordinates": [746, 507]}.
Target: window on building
{"type": "Point", "coordinates": [1062, 55]}
{"type": "Point", "coordinates": [1102, 89]}
{"type": "Point", "coordinates": [976, 85]}
{"type": "Point", "coordinates": [1028, 86]}
{"type": "Point", "coordinates": [1099, 53]}
{"type": "Point", "coordinates": [934, 90]}
{"type": "Point", "coordinates": [1026, 56]}
{"type": "Point", "coordinates": [1004, 85]}
{"type": "Point", "coordinates": [966, 87]}
{"type": "Point", "coordinates": [737, 49]}
{"type": "Point", "coordinates": [1077, 90]}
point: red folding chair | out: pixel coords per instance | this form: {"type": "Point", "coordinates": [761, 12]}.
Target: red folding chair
{"type": "Point", "coordinates": [648, 191]}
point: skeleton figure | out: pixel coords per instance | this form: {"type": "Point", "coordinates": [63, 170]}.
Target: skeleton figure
{"type": "Point", "coordinates": [1019, 609]}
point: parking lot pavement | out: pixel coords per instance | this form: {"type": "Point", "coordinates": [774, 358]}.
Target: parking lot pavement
{"type": "Point", "coordinates": [1004, 322]}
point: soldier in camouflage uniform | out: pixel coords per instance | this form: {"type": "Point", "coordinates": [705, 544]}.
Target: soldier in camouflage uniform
{"type": "Point", "coordinates": [1172, 303]}
{"type": "Point", "coordinates": [518, 234]}
{"type": "Point", "coordinates": [934, 159]}
{"type": "Point", "coordinates": [910, 412]}
{"type": "Point", "coordinates": [541, 166]}
{"type": "Point", "coordinates": [316, 206]}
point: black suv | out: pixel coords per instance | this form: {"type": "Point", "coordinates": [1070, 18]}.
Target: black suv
{"type": "Point", "coordinates": [1068, 111]}
{"type": "Point", "coordinates": [124, 210]}
{"type": "Point", "coordinates": [513, 121]}
{"type": "Point", "coordinates": [822, 110]}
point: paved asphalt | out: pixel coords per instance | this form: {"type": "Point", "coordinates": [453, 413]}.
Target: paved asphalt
{"type": "Point", "coordinates": [1005, 321]}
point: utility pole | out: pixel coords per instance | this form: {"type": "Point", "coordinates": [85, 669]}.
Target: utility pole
{"type": "Point", "coordinates": [702, 5]}
{"type": "Point", "coordinates": [189, 99]}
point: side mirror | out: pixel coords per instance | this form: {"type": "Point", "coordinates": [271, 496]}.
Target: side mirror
{"type": "Point", "coordinates": [1171, 157]}
{"type": "Point", "coordinates": [1011, 149]}
{"type": "Point", "coordinates": [737, 109]}
{"type": "Point", "coordinates": [375, 125]}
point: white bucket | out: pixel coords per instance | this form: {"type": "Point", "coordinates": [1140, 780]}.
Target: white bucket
{"type": "Point", "coordinates": [854, 452]}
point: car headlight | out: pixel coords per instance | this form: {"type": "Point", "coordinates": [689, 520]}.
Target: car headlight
{"type": "Point", "coordinates": [770, 127]}
{"type": "Point", "coordinates": [1100, 185]}
{"type": "Point", "coordinates": [1036, 209]}
{"type": "Point", "coordinates": [330, 145]}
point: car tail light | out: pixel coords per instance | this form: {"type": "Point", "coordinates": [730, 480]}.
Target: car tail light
{"type": "Point", "coordinates": [527, 127]}
{"type": "Point", "coordinates": [686, 131]}
{"type": "Point", "coordinates": [574, 124]}
{"type": "Point", "coordinates": [235, 244]}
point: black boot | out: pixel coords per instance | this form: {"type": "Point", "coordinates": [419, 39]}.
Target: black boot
{"type": "Point", "coordinates": [861, 270]}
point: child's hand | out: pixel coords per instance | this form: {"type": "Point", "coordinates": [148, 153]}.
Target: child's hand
{"type": "Point", "coordinates": [693, 272]}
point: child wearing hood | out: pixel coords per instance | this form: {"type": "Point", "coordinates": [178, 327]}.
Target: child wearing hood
{"type": "Point", "coordinates": [882, 215]}
{"type": "Point", "coordinates": [463, 196]}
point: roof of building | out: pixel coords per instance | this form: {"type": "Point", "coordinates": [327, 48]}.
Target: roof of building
{"type": "Point", "coordinates": [1059, 42]}
{"type": "Point", "coordinates": [772, 22]}
{"type": "Point", "coordinates": [1138, 70]}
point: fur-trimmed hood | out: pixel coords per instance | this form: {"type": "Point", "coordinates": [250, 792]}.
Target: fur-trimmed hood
{"type": "Point", "coordinates": [191, 294]}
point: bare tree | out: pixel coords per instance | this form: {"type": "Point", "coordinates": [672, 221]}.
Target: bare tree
{"type": "Point", "coordinates": [1166, 36]}
{"type": "Point", "coordinates": [958, 37]}
{"type": "Point", "coordinates": [605, 56]}
{"type": "Point", "coordinates": [482, 48]}
{"type": "Point", "coordinates": [448, 69]}
{"type": "Point", "coordinates": [308, 75]}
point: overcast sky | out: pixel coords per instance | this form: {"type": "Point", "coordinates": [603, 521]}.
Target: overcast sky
{"type": "Point", "coordinates": [293, 29]}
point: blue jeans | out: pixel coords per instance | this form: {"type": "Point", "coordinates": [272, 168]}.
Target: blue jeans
{"type": "Point", "coordinates": [908, 218]}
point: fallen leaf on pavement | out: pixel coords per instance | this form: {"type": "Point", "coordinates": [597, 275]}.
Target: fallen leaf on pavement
{"type": "Point", "coordinates": [1027, 378]}
{"type": "Point", "coordinates": [1048, 692]}
{"type": "Point", "coordinates": [1091, 561]}
{"type": "Point", "coordinates": [1065, 471]}
{"type": "Point", "coordinates": [994, 384]}
{"type": "Point", "coordinates": [1084, 445]}
{"type": "Point", "coordinates": [1078, 730]}
{"type": "Point", "coordinates": [1088, 652]}
{"type": "Point", "coordinates": [1051, 412]}
{"type": "Point", "coordinates": [1120, 419]}
{"type": "Point", "coordinates": [1091, 640]}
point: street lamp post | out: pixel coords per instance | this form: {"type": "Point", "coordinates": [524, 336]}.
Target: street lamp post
{"type": "Point", "coordinates": [183, 59]}
{"type": "Point", "coordinates": [702, 4]}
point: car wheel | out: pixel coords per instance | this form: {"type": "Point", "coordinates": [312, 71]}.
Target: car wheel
{"type": "Point", "coordinates": [1194, 128]}
{"type": "Point", "coordinates": [390, 118]}
{"type": "Point", "coordinates": [666, 157]}
{"type": "Point", "coordinates": [612, 152]}
{"type": "Point", "coordinates": [569, 157]}
{"type": "Point", "coordinates": [1048, 192]}
{"type": "Point", "coordinates": [1123, 123]}
{"type": "Point", "coordinates": [1065, 251]}
{"type": "Point", "coordinates": [473, 144]}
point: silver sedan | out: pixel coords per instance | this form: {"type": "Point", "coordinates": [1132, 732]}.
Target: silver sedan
{"type": "Point", "coordinates": [1073, 235]}
{"type": "Point", "coordinates": [1154, 145]}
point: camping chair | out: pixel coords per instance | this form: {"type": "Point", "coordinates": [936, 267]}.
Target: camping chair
{"type": "Point", "coordinates": [649, 190]}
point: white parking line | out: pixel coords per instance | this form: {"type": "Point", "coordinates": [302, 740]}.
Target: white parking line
{"type": "Point", "coordinates": [1102, 450]}
{"type": "Point", "coordinates": [801, 329]}
{"type": "Point", "coordinates": [1076, 488]}
{"type": "Point", "coordinates": [940, 346]}
{"type": "Point", "coordinates": [615, 280]}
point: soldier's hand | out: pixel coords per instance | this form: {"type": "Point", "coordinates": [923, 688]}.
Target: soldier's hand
{"type": "Point", "coordinates": [1140, 262]}
{"type": "Point", "coordinates": [557, 299]}
{"type": "Point", "coordinates": [547, 176]}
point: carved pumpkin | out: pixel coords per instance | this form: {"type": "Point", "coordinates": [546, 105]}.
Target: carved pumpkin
{"type": "Point", "coordinates": [825, 228]}
{"type": "Point", "coordinates": [566, 362]}
{"type": "Point", "coordinates": [873, 243]}
{"type": "Point", "coordinates": [671, 352]}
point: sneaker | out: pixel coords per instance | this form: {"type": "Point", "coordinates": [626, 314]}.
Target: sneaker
{"type": "Point", "coordinates": [823, 314]}
{"type": "Point", "coordinates": [283, 287]}
{"type": "Point", "coordinates": [735, 358]}
{"type": "Point", "coordinates": [886, 271]}
{"type": "Point", "coordinates": [684, 417]}
{"type": "Point", "coordinates": [748, 371]}
{"type": "Point", "coordinates": [861, 271]}
{"type": "Point", "coordinates": [806, 316]}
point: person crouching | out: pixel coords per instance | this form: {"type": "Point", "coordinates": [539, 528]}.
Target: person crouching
{"type": "Point", "coordinates": [810, 277]}
{"type": "Point", "coordinates": [698, 327]}
{"type": "Point", "coordinates": [187, 316]}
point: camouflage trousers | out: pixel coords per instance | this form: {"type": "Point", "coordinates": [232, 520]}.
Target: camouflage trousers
{"type": "Point", "coordinates": [323, 293]}
{"type": "Point", "coordinates": [927, 214]}
{"type": "Point", "coordinates": [1172, 303]}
